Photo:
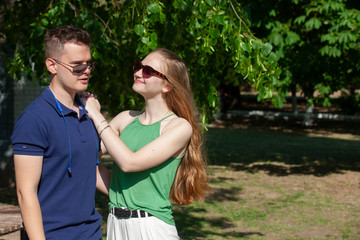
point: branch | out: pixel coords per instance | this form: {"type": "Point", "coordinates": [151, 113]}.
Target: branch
{"type": "Point", "coordinates": [104, 23]}
{"type": "Point", "coordinates": [133, 13]}
{"type": "Point", "coordinates": [72, 7]}
{"type": "Point", "coordinates": [241, 21]}
{"type": "Point", "coordinates": [236, 12]}
{"type": "Point", "coordinates": [106, 28]}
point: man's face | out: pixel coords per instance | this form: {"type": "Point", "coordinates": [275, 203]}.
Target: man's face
{"type": "Point", "coordinates": [72, 55]}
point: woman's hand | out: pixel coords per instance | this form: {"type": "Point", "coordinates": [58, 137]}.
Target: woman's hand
{"type": "Point", "coordinates": [91, 104]}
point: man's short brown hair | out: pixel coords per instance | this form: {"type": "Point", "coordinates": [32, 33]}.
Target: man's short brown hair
{"type": "Point", "coordinates": [57, 37]}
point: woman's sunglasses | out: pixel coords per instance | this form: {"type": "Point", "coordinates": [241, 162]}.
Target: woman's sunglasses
{"type": "Point", "coordinates": [78, 69]}
{"type": "Point", "coordinates": [147, 71]}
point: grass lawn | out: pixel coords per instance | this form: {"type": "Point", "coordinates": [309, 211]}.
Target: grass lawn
{"type": "Point", "coordinates": [272, 182]}
{"type": "Point", "coordinates": [275, 184]}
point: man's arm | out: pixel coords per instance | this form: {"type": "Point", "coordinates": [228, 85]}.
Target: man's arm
{"type": "Point", "coordinates": [28, 173]}
{"type": "Point", "coordinates": [103, 179]}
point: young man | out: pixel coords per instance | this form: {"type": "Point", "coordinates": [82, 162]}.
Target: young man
{"type": "Point", "coordinates": [56, 147]}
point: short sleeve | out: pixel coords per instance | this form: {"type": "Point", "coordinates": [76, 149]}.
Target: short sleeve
{"type": "Point", "coordinates": [30, 135]}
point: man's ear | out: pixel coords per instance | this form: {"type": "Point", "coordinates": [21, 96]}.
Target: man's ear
{"type": "Point", "coordinates": [51, 66]}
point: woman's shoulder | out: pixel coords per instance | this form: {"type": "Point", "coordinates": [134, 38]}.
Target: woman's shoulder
{"type": "Point", "coordinates": [121, 120]}
{"type": "Point", "coordinates": [176, 122]}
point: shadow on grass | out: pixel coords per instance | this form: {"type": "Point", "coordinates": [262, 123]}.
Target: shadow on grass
{"type": "Point", "coordinates": [285, 170]}
{"type": "Point", "coordinates": [192, 227]}
{"type": "Point", "coordinates": [275, 152]}
{"type": "Point", "coordinates": [189, 225]}
{"type": "Point", "coordinates": [280, 153]}
{"type": "Point", "coordinates": [292, 124]}
{"type": "Point", "coordinates": [222, 194]}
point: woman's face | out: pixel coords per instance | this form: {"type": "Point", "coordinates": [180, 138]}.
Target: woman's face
{"type": "Point", "coordinates": [154, 85]}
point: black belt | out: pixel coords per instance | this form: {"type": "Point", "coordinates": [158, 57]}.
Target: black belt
{"type": "Point", "coordinates": [125, 213]}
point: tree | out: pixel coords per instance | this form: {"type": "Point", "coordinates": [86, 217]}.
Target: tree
{"type": "Point", "coordinates": [211, 36]}
{"type": "Point", "coordinates": [317, 44]}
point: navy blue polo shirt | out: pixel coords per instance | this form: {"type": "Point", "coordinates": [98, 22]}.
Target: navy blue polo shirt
{"type": "Point", "coordinates": [67, 201]}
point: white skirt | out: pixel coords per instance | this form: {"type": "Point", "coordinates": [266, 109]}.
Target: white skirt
{"type": "Point", "coordinates": [140, 228]}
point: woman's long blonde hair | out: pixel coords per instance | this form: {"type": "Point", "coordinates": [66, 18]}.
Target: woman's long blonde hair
{"type": "Point", "coordinates": [190, 182]}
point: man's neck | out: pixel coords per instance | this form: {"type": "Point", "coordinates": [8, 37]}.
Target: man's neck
{"type": "Point", "coordinates": [65, 97]}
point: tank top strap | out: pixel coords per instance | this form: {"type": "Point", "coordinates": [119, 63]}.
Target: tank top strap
{"type": "Point", "coordinates": [137, 117]}
{"type": "Point", "coordinates": [167, 116]}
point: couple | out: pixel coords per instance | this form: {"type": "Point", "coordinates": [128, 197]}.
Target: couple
{"type": "Point", "coordinates": [58, 139]}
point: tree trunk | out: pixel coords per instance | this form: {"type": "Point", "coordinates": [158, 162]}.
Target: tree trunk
{"type": "Point", "coordinates": [308, 118]}
{"type": "Point", "coordinates": [294, 100]}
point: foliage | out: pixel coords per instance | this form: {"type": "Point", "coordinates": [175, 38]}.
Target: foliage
{"type": "Point", "coordinates": [211, 36]}
{"type": "Point", "coordinates": [317, 43]}
{"type": "Point", "coordinates": [349, 103]}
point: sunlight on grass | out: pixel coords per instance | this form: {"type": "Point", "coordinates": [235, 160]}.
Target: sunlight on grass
{"type": "Point", "coordinates": [267, 207]}
{"type": "Point", "coordinates": [272, 185]}
{"type": "Point", "coordinates": [269, 185]}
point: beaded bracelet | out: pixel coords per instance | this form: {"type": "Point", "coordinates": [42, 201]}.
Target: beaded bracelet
{"type": "Point", "coordinates": [100, 123]}
{"type": "Point", "coordinates": [103, 130]}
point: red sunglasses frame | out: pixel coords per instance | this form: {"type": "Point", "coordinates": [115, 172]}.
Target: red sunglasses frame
{"type": "Point", "coordinates": [147, 70]}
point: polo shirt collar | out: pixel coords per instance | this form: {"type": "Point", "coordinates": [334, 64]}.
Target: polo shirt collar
{"type": "Point", "coordinates": [82, 110]}
{"type": "Point", "coordinates": [46, 94]}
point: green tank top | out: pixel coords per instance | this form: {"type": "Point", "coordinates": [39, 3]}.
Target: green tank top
{"type": "Point", "coordinates": [146, 190]}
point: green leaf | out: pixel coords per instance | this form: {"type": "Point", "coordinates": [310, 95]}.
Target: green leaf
{"type": "Point", "coordinates": [154, 8]}
{"type": "Point", "coordinates": [272, 13]}
{"type": "Point", "coordinates": [220, 19]}
{"type": "Point", "coordinates": [317, 23]}
{"type": "Point", "coordinates": [44, 22]}
{"type": "Point", "coordinates": [52, 12]}
{"type": "Point", "coordinates": [176, 4]}
{"type": "Point", "coordinates": [214, 32]}
{"type": "Point", "coordinates": [153, 42]}
{"type": "Point", "coordinates": [145, 40]}
{"type": "Point", "coordinates": [96, 55]}
{"type": "Point", "coordinates": [278, 101]}
{"type": "Point", "coordinates": [313, 23]}
{"type": "Point", "coordinates": [197, 24]}
{"type": "Point", "coordinates": [139, 29]}
{"type": "Point", "coordinates": [326, 102]}
{"type": "Point", "coordinates": [291, 38]}
{"type": "Point", "coordinates": [266, 48]}
{"type": "Point", "coordinates": [210, 2]}
{"type": "Point", "coordinates": [323, 90]}
{"type": "Point", "coordinates": [276, 39]}
{"type": "Point", "coordinates": [246, 47]}
{"type": "Point", "coordinates": [300, 20]}
{"type": "Point", "coordinates": [203, 8]}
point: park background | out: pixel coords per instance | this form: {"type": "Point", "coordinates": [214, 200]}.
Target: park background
{"type": "Point", "coordinates": [276, 83]}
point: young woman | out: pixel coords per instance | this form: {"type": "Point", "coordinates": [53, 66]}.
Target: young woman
{"type": "Point", "coordinates": [158, 157]}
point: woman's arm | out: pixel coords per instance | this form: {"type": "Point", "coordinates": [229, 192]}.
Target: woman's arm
{"type": "Point", "coordinates": [174, 139]}
{"type": "Point", "coordinates": [103, 179]}
{"type": "Point", "coordinates": [117, 124]}
{"type": "Point", "coordinates": [171, 141]}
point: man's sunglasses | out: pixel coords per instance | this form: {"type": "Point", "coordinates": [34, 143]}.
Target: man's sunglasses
{"type": "Point", "coordinates": [78, 69]}
{"type": "Point", "coordinates": [147, 71]}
